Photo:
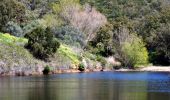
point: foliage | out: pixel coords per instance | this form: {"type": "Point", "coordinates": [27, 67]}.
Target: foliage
{"type": "Point", "coordinates": [46, 70]}
{"type": "Point", "coordinates": [70, 36]}
{"type": "Point", "coordinates": [134, 53]}
{"type": "Point", "coordinates": [59, 13]}
{"type": "Point", "coordinates": [30, 26]}
{"type": "Point", "coordinates": [14, 29]}
{"type": "Point", "coordinates": [89, 55]}
{"type": "Point", "coordinates": [7, 38]}
{"type": "Point", "coordinates": [130, 50]}
{"type": "Point", "coordinates": [143, 17]}
{"type": "Point", "coordinates": [52, 20]}
{"type": "Point", "coordinates": [11, 10]}
{"type": "Point", "coordinates": [87, 20]}
{"type": "Point", "coordinates": [101, 60]}
{"type": "Point", "coordinates": [154, 30]}
{"type": "Point", "coordinates": [42, 43]}
{"type": "Point", "coordinates": [118, 8]}
{"type": "Point", "coordinates": [20, 30]}
{"type": "Point", "coordinates": [68, 52]}
{"type": "Point", "coordinates": [13, 53]}
{"type": "Point", "coordinates": [81, 67]}
{"type": "Point", "coordinates": [103, 41]}
{"type": "Point", "coordinates": [161, 47]}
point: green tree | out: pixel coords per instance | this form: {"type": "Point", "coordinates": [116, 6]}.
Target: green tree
{"type": "Point", "coordinates": [134, 53]}
{"type": "Point", "coordinates": [130, 49]}
{"type": "Point", "coordinates": [11, 10]}
{"type": "Point", "coordinates": [160, 54]}
{"type": "Point", "coordinates": [103, 41]}
{"type": "Point", "coordinates": [42, 43]}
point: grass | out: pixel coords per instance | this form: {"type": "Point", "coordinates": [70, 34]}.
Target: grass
{"type": "Point", "coordinates": [7, 38]}
{"type": "Point", "coordinates": [13, 53]}
{"type": "Point", "coordinates": [68, 52]}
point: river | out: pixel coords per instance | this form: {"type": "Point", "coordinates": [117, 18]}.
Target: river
{"type": "Point", "coordinates": [88, 86]}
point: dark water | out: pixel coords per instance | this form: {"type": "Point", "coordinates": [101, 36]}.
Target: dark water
{"type": "Point", "coordinates": [88, 86]}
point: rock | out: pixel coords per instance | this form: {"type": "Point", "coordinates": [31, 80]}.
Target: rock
{"type": "Point", "coordinates": [84, 63]}
{"type": "Point", "coordinates": [113, 61]}
{"type": "Point", "coordinates": [39, 68]}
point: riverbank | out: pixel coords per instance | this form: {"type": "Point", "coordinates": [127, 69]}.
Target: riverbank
{"type": "Point", "coordinates": [39, 73]}
{"type": "Point", "coordinates": [148, 69]}
{"type": "Point", "coordinates": [16, 60]}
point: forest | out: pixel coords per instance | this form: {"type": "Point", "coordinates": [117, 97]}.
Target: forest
{"type": "Point", "coordinates": [84, 34]}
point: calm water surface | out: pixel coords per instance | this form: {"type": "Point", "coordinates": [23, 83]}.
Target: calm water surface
{"type": "Point", "coordinates": [88, 86]}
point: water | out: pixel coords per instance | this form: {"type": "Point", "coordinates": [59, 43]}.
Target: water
{"type": "Point", "coordinates": [88, 86]}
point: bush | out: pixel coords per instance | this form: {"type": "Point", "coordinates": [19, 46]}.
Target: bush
{"type": "Point", "coordinates": [116, 67]}
{"type": "Point", "coordinates": [29, 27]}
{"type": "Point", "coordinates": [101, 60]}
{"type": "Point", "coordinates": [81, 67]}
{"type": "Point", "coordinates": [70, 36]}
{"type": "Point", "coordinates": [14, 29]}
{"type": "Point", "coordinates": [134, 53]}
{"type": "Point", "coordinates": [42, 43]}
{"type": "Point", "coordinates": [46, 70]}
{"type": "Point", "coordinates": [130, 49]}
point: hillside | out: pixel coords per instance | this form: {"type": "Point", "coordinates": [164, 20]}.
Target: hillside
{"type": "Point", "coordinates": [16, 60]}
{"type": "Point", "coordinates": [83, 35]}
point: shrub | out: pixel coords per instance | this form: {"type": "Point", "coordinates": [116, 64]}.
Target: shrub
{"type": "Point", "coordinates": [70, 36]}
{"type": "Point", "coordinates": [42, 43]}
{"type": "Point", "coordinates": [116, 67]}
{"type": "Point", "coordinates": [14, 29]}
{"type": "Point", "coordinates": [46, 70]}
{"type": "Point", "coordinates": [130, 49]}
{"type": "Point", "coordinates": [134, 53]}
{"type": "Point", "coordinates": [81, 67]}
{"type": "Point", "coordinates": [29, 27]}
{"type": "Point", "coordinates": [101, 60]}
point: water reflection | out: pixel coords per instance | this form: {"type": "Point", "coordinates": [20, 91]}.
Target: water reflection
{"type": "Point", "coordinates": [83, 86]}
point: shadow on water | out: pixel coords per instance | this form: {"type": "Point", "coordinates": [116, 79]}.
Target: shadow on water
{"type": "Point", "coordinates": [88, 86]}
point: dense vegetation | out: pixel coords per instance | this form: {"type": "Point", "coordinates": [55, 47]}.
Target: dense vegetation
{"type": "Point", "coordinates": [149, 19]}
{"type": "Point", "coordinates": [134, 32]}
{"type": "Point", "coordinates": [42, 43]}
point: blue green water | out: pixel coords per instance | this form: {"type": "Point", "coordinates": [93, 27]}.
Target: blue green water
{"type": "Point", "coordinates": [88, 86]}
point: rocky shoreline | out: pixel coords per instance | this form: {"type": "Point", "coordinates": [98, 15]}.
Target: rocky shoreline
{"type": "Point", "coordinates": [39, 72]}
{"type": "Point", "coordinates": [36, 73]}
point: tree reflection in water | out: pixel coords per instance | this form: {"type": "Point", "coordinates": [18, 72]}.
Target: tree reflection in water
{"type": "Point", "coordinates": [94, 86]}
